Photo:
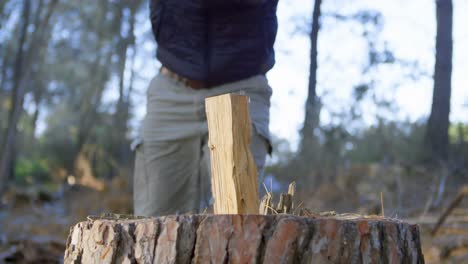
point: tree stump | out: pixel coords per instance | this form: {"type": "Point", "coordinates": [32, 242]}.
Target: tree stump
{"type": "Point", "coordinates": [244, 239]}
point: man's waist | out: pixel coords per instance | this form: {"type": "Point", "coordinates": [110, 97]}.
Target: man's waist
{"type": "Point", "coordinates": [192, 83]}
{"type": "Point", "coordinates": [199, 84]}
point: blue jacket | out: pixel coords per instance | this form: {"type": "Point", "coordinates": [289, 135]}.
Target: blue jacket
{"type": "Point", "coordinates": [215, 41]}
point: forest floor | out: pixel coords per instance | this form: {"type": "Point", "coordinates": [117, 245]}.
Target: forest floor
{"type": "Point", "coordinates": [34, 223]}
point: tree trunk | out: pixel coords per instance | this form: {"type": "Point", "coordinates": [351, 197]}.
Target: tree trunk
{"type": "Point", "coordinates": [312, 106]}
{"type": "Point", "coordinates": [437, 128]}
{"type": "Point", "coordinates": [17, 98]}
{"type": "Point", "coordinates": [40, 85]}
{"type": "Point", "coordinates": [19, 86]}
{"type": "Point", "coordinates": [122, 114]}
{"type": "Point", "coordinates": [308, 145]}
{"type": "Point", "coordinates": [2, 7]}
{"type": "Point", "coordinates": [243, 239]}
{"type": "Point", "coordinates": [87, 107]}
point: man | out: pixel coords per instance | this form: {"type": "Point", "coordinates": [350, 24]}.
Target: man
{"type": "Point", "coordinates": [206, 48]}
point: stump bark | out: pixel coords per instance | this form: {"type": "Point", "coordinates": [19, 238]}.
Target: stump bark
{"type": "Point", "coordinates": [244, 239]}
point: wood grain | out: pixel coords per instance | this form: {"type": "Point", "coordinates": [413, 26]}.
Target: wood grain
{"type": "Point", "coordinates": [233, 171]}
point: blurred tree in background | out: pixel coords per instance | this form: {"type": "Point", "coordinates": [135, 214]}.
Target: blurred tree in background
{"type": "Point", "coordinates": [438, 123]}
{"type": "Point", "coordinates": [57, 60]}
{"type": "Point", "coordinates": [340, 159]}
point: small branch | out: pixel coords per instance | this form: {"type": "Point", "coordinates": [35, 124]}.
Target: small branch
{"type": "Point", "coordinates": [461, 194]}
{"type": "Point", "coordinates": [382, 204]}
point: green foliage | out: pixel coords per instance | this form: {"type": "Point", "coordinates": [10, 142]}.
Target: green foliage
{"type": "Point", "coordinates": [29, 170]}
{"type": "Point", "coordinates": [458, 138]}
{"type": "Point", "coordinates": [458, 133]}
{"type": "Point", "coordinates": [388, 141]}
{"type": "Point", "coordinates": [87, 49]}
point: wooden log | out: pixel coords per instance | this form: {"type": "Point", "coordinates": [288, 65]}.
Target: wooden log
{"type": "Point", "coordinates": [233, 171]}
{"type": "Point", "coordinates": [244, 239]}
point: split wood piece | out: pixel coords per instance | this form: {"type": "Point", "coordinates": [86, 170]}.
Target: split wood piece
{"type": "Point", "coordinates": [266, 204]}
{"type": "Point", "coordinates": [244, 239]}
{"type": "Point", "coordinates": [233, 171]}
{"type": "Point", "coordinates": [285, 203]}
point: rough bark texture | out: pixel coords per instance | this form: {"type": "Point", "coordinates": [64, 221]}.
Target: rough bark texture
{"type": "Point", "coordinates": [244, 239]}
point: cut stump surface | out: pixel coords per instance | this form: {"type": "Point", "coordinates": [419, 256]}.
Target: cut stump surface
{"type": "Point", "coordinates": [244, 239]}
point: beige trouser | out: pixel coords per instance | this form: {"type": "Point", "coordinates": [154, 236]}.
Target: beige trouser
{"type": "Point", "coordinates": [172, 172]}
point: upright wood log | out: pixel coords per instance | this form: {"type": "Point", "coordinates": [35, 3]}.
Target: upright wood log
{"type": "Point", "coordinates": [233, 171]}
